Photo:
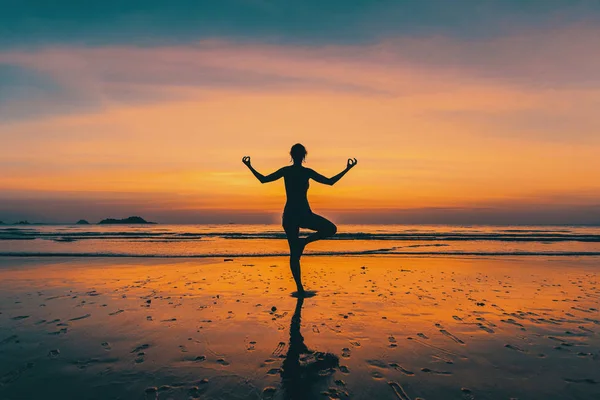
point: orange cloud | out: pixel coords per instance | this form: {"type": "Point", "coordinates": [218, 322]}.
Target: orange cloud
{"type": "Point", "coordinates": [427, 134]}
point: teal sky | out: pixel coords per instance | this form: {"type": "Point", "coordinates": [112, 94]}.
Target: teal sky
{"type": "Point", "coordinates": [39, 22]}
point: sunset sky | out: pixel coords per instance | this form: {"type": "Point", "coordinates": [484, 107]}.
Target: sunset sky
{"type": "Point", "coordinates": [458, 111]}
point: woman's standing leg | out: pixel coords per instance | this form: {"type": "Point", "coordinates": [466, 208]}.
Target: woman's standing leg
{"type": "Point", "coordinates": [291, 231]}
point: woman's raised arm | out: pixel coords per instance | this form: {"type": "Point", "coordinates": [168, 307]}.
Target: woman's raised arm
{"type": "Point", "coordinates": [331, 181]}
{"type": "Point", "coordinates": [263, 179]}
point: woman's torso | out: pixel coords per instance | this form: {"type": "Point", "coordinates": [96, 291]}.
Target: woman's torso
{"type": "Point", "coordinates": [296, 188]}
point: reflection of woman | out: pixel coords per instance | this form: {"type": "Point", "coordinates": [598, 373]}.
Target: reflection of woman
{"type": "Point", "coordinates": [297, 213]}
{"type": "Point", "coordinates": [302, 367]}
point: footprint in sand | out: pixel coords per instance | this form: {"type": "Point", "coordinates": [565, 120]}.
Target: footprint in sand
{"type": "Point", "coordinates": [106, 345]}
{"type": "Point", "coordinates": [20, 317]}
{"type": "Point", "coordinates": [116, 312]}
{"type": "Point", "coordinates": [140, 348]}
{"type": "Point", "coordinates": [516, 348]}
{"type": "Point", "coordinates": [344, 369]}
{"type": "Point", "coordinates": [269, 392]}
{"type": "Point", "coordinates": [401, 369]}
{"type": "Point", "coordinates": [513, 322]}
{"type": "Point", "coordinates": [279, 349]}
{"type": "Point", "coordinates": [595, 321]}
{"type": "Point", "coordinates": [54, 353]}
{"type": "Point", "coordinates": [140, 356]}
{"type": "Point", "coordinates": [432, 371]}
{"type": "Point", "coordinates": [222, 362]}
{"type": "Point", "coordinates": [441, 358]}
{"type": "Point", "coordinates": [82, 317]}
{"type": "Point", "coordinates": [346, 352]}
{"type": "Point", "coordinates": [399, 391]}
{"type": "Point", "coordinates": [335, 393]}
{"type": "Point", "coordinates": [485, 327]}
{"type": "Point", "coordinates": [451, 336]}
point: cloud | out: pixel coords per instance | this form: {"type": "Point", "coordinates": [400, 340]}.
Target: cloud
{"type": "Point", "coordinates": [525, 65]}
{"type": "Point", "coordinates": [447, 122]}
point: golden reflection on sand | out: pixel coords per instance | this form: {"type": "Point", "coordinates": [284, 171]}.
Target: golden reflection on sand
{"type": "Point", "coordinates": [379, 327]}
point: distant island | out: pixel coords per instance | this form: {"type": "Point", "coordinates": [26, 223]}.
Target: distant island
{"type": "Point", "coordinates": [130, 220]}
{"type": "Point", "coordinates": [24, 222]}
{"type": "Point", "coordinates": [82, 222]}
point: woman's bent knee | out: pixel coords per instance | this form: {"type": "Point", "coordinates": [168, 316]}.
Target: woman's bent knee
{"type": "Point", "coordinates": [332, 230]}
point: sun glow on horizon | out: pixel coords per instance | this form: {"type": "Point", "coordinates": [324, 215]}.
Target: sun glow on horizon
{"type": "Point", "coordinates": [165, 128]}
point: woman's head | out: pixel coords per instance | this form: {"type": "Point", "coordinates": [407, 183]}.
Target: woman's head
{"type": "Point", "coordinates": [298, 153]}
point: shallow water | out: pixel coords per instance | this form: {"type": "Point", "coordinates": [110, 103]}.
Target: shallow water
{"type": "Point", "coordinates": [269, 240]}
{"type": "Point", "coordinates": [382, 327]}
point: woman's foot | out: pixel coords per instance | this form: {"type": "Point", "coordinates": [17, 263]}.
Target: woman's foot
{"type": "Point", "coordinates": [304, 294]}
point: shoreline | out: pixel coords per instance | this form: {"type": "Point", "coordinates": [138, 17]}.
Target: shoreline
{"type": "Point", "coordinates": [313, 254]}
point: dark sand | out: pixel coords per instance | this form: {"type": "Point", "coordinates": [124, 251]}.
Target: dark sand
{"type": "Point", "coordinates": [378, 328]}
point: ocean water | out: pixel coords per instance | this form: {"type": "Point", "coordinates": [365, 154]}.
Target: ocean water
{"type": "Point", "coordinates": [269, 240]}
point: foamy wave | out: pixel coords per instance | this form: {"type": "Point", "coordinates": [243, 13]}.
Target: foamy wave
{"type": "Point", "coordinates": [327, 253]}
{"type": "Point", "coordinates": [505, 235]}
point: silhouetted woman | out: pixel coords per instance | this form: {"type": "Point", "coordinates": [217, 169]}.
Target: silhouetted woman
{"type": "Point", "coordinates": [297, 213]}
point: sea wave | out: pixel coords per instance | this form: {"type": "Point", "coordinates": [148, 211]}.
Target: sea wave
{"type": "Point", "coordinates": [506, 235]}
{"type": "Point", "coordinates": [200, 241]}
{"type": "Point", "coordinates": [381, 252]}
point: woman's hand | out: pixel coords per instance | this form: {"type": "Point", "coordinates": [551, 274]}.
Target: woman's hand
{"type": "Point", "coordinates": [246, 161]}
{"type": "Point", "coordinates": [351, 163]}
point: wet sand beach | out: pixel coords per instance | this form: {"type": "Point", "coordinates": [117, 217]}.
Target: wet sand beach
{"type": "Point", "coordinates": [379, 327]}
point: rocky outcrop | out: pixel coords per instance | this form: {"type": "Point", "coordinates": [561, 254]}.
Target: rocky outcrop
{"type": "Point", "coordinates": [130, 220]}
